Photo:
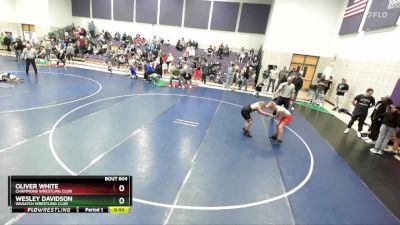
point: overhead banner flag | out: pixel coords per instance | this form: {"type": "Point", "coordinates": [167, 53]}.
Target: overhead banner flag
{"type": "Point", "coordinates": [353, 16]}
{"type": "Point", "coordinates": [382, 13]}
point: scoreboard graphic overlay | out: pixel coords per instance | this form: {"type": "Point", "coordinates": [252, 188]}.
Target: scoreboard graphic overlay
{"type": "Point", "coordinates": [70, 194]}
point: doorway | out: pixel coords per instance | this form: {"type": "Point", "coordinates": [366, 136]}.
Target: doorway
{"type": "Point", "coordinates": [28, 30]}
{"type": "Point", "coordinates": [306, 65]}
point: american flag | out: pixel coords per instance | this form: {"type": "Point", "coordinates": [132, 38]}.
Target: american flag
{"type": "Point", "coordinates": [355, 7]}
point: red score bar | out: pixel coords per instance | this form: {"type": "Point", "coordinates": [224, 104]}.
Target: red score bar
{"type": "Point", "coordinates": [69, 186]}
{"type": "Point", "coordinates": [101, 188]}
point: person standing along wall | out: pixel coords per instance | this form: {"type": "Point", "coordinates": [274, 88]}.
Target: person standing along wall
{"type": "Point", "coordinates": [391, 120]}
{"type": "Point", "coordinates": [282, 77]}
{"type": "Point", "coordinates": [19, 47]}
{"type": "Point", "coordinates": [272, 78]}
{"type": "Point", "coordinates": [361, 103]}
{"type": "Point", "coordinates": [341, 89]}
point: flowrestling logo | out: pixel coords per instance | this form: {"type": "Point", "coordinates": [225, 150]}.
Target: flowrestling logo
{"type": "Point", "coordinates": [382, 14]}
{"type": "Point", "coordinates": [394, 4]}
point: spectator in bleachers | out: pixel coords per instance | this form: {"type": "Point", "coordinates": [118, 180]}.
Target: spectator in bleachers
{"type": "Point", "coordinates": [229, 76]}
{"type": "Point", "coordinates": [89, 50]}
{"type": "Point", "coordinates": [164, 68]}
{"type": "Point", "coordinates": [192, 52]}
{"type": "Point", "coordinates": [82, 45]}
{"type": "Point", "coordinates": [92, 29]}
{"type": "Point", "coordinates": [179, 46]}
{"type": "Point", "coordinates": [145, 41]}
{"type": "Point", "coordinates": [1, 40]}
{"type": "Point", "coordinates": [186, 76]}
{"type": "Point", "coordinates": [186, 53]}
{"type": "Point", "coordinates": [124, 37]}
{"type": "Point", "coordinates": [164, 57]}
{"type": "Point", "coordinates": [254, 63]}
{"type": "Point", "coordinates": [183, 43]}
{"type": "Point", "coordinates": [117, 36]}
{"type": "Point", "coordinates": [170, 59]}
{"type": "Point", "coordinates": [251, 52]}
{"type": "Point", "coordinates": [132, 72]}
{"type": "Point", "coordinates": [42, 53]}
{"type": "Point", "coordinates": [121, 60]}
{"type": "Point", "coordinates": [246, 76]}
{"type": "Point", "coordinates": [174, 75]}
{"type": "Point", "coordinates": [61, 45]}
{"type": "Point", "coordinates": [210, 51]}
{"type": "Point", "coordinates": [137, 41]}
{"type": "Point", "coordinates": [204, 72]}
{"type": "Point", "coordinates": [241, 55]}
{"type": "Point", "coordinates": [220, 51]}
{"type": "Point", "coordinates": [48, 49]}
{"type": "Point", "coordinates": [171, 67]}
{"type": "Point", "coordinates": [226, 50]}
{"type": "Point", "coordinates": [148, 70]}
{"type": "Point", "coordinates": [60, 54]}
{"type": "Point", "coordinates": [157, 67]}
{"type": "Point", "coordinates": [70, 53]}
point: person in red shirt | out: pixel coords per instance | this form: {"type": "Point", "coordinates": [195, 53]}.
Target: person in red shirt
{"type": "Point", "coordinates": [82, 44]}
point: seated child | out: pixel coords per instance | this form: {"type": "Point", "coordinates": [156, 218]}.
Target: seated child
{"type": "Point", "coordinates": [175, 75]}
{"type": "Point", "coordinates": [109, 66]}
{"type": "Point", "coordinates": [60, 57]}
{"type": "Point", "coordinates": [132, 72]}
{"type": "Point", "coordinates": [155, 78]}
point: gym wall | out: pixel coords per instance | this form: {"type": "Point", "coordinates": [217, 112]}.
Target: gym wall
{"type": "Point", "coordinates": [239, 23]}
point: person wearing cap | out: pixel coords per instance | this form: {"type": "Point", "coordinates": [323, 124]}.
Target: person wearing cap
{"type": "Point", "coordinates": [341, 90]}
{"type": "Point", "coordinates": [29, 54]}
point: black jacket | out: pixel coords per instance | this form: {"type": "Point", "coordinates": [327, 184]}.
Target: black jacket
{"type": "Point", "coordinates": [298, 84]}
{"type": "Point", "coordinates": [380, 109]}
{"type": "Point", "coordinates": [392, 119]}
{"type": "Point", "coordinates": [19, 45]}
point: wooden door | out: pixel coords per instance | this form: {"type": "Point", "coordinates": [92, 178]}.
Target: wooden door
{"type": "Point", "coordinates": [306, 64]}
{"type": "Point", "coordinates": [308, 74]}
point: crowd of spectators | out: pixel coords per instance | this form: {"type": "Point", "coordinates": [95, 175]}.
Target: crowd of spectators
{"type": "Point", "coordinates": [143, 54]}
